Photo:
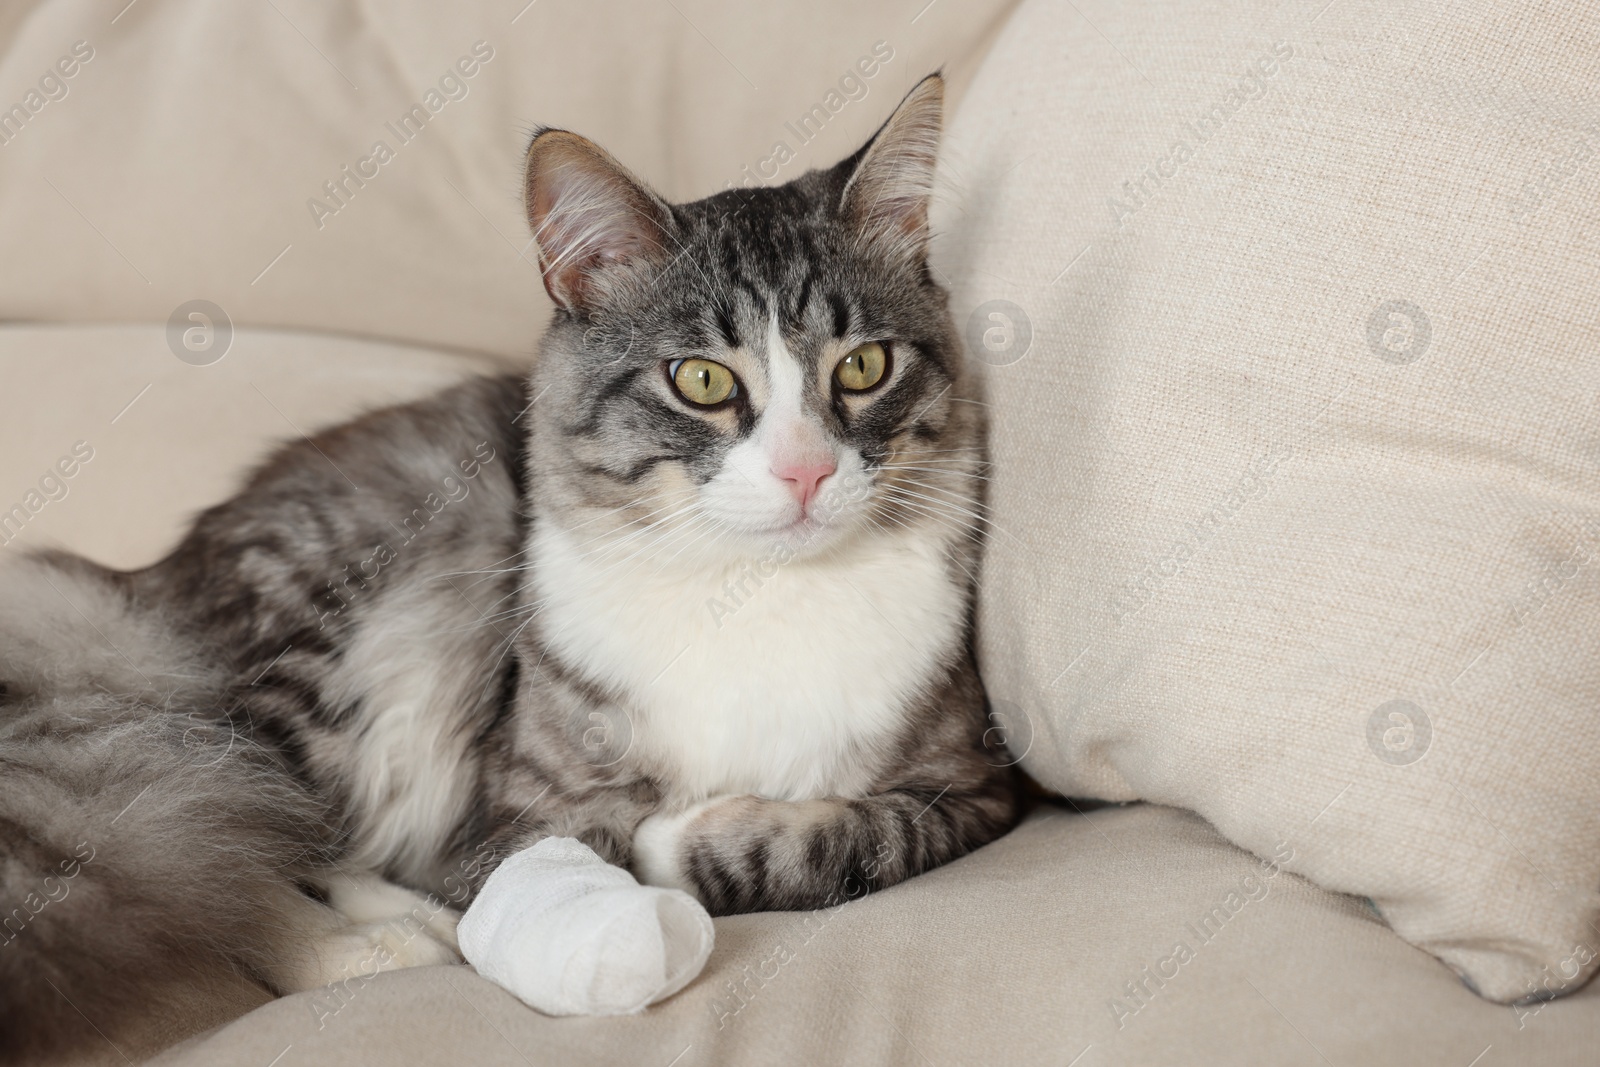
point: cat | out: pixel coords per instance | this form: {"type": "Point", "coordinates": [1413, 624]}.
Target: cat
{"type": "Point", "coordinates": [697, 591]}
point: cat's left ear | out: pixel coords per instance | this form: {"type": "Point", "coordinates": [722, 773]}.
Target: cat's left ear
{"type": "Point", "coordinates": [887, 196]}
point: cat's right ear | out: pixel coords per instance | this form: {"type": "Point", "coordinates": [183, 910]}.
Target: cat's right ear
{"type": "Point", "coordinates": [589, 215]}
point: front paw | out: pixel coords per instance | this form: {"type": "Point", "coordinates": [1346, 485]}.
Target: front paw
{"type": "Point", "coordinates": [570, 934]}
{"type": "Point", "coordinates": [661, 847]}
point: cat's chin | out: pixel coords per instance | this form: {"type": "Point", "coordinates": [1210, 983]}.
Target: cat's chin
{"type": "Point", "coordinates": [775, 544]}
{"type": "Point", "coordinates": [800, 538]}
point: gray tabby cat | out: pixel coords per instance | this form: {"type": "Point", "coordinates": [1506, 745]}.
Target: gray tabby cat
{"type": "Point", "coordinates": [697, 592]}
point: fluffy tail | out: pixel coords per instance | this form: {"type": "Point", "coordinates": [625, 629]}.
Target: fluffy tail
{"type": "Point", "coordinates": [147, 854]}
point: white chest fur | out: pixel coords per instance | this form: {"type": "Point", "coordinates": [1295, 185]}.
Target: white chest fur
{"type": "Point", "coordinates": [790, 688]}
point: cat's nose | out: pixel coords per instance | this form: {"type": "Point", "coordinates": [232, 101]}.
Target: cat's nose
{"type": "Point", "coordinates": [803, 479]}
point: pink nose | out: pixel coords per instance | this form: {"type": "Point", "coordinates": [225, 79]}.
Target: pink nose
{"type": "Point", "coordinates": [803, 478]}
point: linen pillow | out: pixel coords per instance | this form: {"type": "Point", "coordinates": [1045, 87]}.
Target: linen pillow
{"type": "Point", "coordinates": [1288, 314]}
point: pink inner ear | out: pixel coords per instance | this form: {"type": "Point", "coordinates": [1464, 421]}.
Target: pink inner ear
{"type": "Point", "coordinates": [899, 180]}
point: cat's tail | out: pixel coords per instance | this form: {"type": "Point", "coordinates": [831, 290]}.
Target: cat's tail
{"type": "Point", "coordinates": [147, 853]}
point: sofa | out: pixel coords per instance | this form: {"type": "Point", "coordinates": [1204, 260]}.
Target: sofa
{"type": "Point", "coordinates": [1281, 420]}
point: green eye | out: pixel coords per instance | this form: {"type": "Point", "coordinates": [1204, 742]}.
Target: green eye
{"type": "Point", "coordinates": [862, 368]}
{"type": "Point", "coordinates": [703, 382]}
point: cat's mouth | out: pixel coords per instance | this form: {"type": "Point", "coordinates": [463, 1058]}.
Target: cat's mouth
{"type": "Point", "coordinates": [803, 526]}
{"type": "Point", "coordinates": [804, 534]}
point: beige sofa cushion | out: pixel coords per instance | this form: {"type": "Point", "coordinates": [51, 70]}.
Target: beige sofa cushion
{"type": "Point", "coordinates": [1297, 480]}
{"type": "Point", "coordinates": [183, 159]}
{"type": "Point", "coordinates": [1045, 948]}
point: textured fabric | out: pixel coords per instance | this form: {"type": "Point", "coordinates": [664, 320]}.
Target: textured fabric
{"type": "Point", "coordinates": [1289, 312]}
{"type": "Point", "coordinates": [1272, 246]}
{"type": "Point", "coordinates": [1044, 946]}
{"type": "Point", "coordinates": [167, 438]}
{"type": "Point", "coordinates": [565, 932]}
{"type": "Point", "coordinates": [186, 158]}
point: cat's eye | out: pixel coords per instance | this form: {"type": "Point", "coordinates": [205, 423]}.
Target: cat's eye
{"type": "Point", "coordinates": [863, 368]}
{"type": "Point", "coordinates": [700, 381]}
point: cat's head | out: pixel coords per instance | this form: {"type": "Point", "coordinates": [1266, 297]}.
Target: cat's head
{"type": "Point", "coordinates": [768, 369]}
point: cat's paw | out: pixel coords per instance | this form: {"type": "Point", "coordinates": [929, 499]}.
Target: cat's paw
{"type": "Point", "coordinates": [442, 925]}
{"type": "Point", "coordinates": [569, 934]}
{"type": "Point", "coordinates": [659, 855]}
{"type": "Point", "coordinates": [364, 897]}
{"type": "Point", "coordinates": [361, 950]}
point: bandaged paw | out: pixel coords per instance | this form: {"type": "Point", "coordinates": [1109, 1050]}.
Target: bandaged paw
{"type": "Point", "coordinates": [569, 934]}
